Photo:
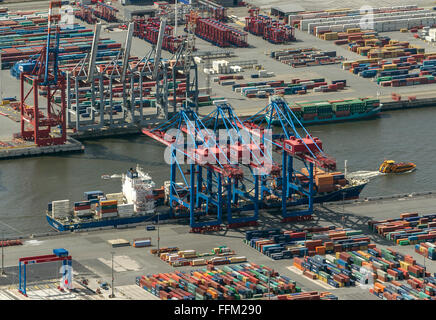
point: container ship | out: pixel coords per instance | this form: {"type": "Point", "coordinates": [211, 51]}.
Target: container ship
{"type": "Point", "coordinates": [333, 186]}
{"type": "Point", "coordinates": [136, 203]}
{"type": "Point", "coordinates": [140, 201]}
{"type": "Point", "coordinates": [318, 112]}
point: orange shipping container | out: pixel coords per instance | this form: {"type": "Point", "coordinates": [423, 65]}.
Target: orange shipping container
{"type": "Point", "coordinates": [323, 179]}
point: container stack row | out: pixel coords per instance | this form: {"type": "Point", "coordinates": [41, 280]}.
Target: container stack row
{"type": "Point", "coordinates": [373, 46]}
{"type": "Point", "coordinates": [308, 242]}
{"type": "Point", "coordinates": [235, 282]}
{"type": "Point", "coordinates": [409, 229]}
{"type": "Point", "coordinates": [426, 249]}
{"type": "Point", "coordinates": [306, 57]}
{"type": "Point", "coordinates": [269, 29]}
{"type": "Point", "coordinates": [363, 267]}
{"type": "Point", "coordinates": [412, 289]}
{"type": "Point", "coordinates": [378, 19]}
{"type": "Point", "coordinates": [302, 20]}
{"type": "Point", "coordinates": [263, 89]}
{"type": "Point", "coordinates": [396, 73]}
{"type": "Point", "coordinates": [311, 110]}
{"type": "Point", "coordinates": [148, 30]}
{"type": "Point", "coordinates": [219, 255]}
{"type": "Point", "coordinates": [20, 43]}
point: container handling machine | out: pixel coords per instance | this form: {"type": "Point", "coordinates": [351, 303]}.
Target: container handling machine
{"type": "Point", "coordinates": [238, 187]}
{"type": "Point", "coordinates": [38, 123]}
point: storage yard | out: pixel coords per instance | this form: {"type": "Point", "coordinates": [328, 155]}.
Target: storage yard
{"type": "Point", "coordinates": [94, 263]}
{"type": "Point", "coordinates": [220, 227]}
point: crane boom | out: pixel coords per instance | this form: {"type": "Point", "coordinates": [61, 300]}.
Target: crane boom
{"type": "Point", "coordinates": [127, 48]}
{"type": "Point", "coordinates": [93, 56]}
{"type": "Point", "coordinates": [163, 24]}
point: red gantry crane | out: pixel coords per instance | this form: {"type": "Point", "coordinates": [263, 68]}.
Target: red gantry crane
{"type": "Point", "coordinates": [39, 116]}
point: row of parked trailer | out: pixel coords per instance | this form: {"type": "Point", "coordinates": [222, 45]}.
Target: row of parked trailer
{"type": "Point", "coordinates": [306, 57]}
{"type": "Point", "coordinates": [263, 89]}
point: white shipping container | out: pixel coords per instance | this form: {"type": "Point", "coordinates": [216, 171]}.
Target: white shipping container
{"type": "Point", "coordinates": [82, 212]}
{"type": "Point", "coordinates": [60, 203]}
{"type": "Point", "coordinates": [197, 262]}
{"type": "Point", "coordinates": [108, 215]}
{"type": "Point", "coordinates": [125, 207]}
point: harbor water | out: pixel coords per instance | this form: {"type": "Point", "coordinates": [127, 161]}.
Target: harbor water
{"type": "Point", "coordinates": [28, 184]}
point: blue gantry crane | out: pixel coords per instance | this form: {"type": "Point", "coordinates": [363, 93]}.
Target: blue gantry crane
{"type": "Point", "coordinates": [195, 196]}
{"type": "Point", "coordinates": [257, 164]}
{"type": "Point", "coordinates": [231, 168]}
{"type": "Point", "coordinates": [293, 187]}
{"type": "Point", "coordinates": [225, 167]}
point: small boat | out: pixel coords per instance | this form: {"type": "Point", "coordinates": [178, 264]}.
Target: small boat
{"type": "Point", "coordinates": [389, 166]}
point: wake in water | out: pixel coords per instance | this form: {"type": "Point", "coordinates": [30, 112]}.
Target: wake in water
{"type": "Point", "coordinates": [364, 174]}
{"type": "Point", "coordinates": [114, 176]}
{"type": "Point", "coordinates": [372, 174]}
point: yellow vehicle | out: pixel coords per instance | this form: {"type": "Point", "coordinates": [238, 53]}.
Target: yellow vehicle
{"type": "Point", "coordinates": [389, 166]}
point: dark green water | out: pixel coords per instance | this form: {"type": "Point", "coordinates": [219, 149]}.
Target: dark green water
{"type": "Point", "coordinates": [27, 185]}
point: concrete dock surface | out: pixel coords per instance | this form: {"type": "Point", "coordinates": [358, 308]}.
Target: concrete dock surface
{"type": "Point", "coordinates": [92, 254]}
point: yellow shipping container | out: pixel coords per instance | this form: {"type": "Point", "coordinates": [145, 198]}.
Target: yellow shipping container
{"type": "Point", "coordinates": [404, 265]}
{"type": "Point", "coordinates": [353, 30]}
{"type": "Point", "coordinates": [389, 67]}
{"type": "Point", "coordinates": [363, 253]}
{"type": "Point", "coordinates": [330, 36]}
{"type": "Point", "coordinates": [370, 41]}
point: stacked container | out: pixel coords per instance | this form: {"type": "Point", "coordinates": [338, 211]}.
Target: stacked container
{"type": "Point", "coordinates": [347, 268]}
{"type": "Point", "coordinates": [426, 249]}
{"type": "Point", "coordinates": [233, 282]}
{"type": "Point", "coordinates": [289, 244]}
{"type": "Point", "coordinates": [107, 209]}
{"type": "Point", "coordinates": [410, 228]}
{"type": "Point", "coordinates": [125, 209]}
{"type": "Point", "coordinates": [60, 209]}
{"type": "Point", "coordinates": [82, 209]}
